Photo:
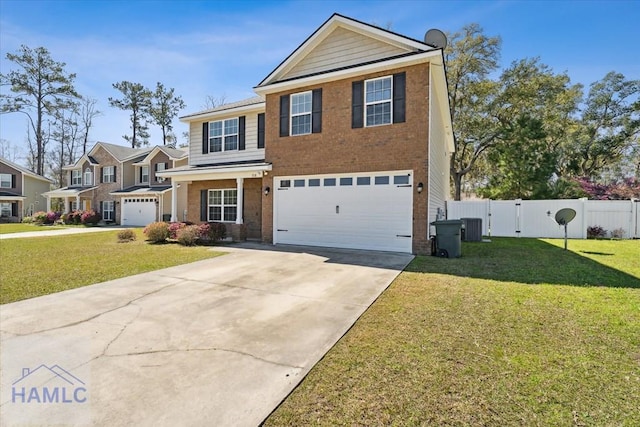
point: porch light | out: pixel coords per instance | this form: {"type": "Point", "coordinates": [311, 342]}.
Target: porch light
{"type": "Point", "coordinates": [267, 190]}
{"type": "Point", "coordinates": [420, 187]}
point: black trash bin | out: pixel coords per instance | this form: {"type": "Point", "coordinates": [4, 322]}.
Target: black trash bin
{"type": "Point", "coordinates": [448, 238]}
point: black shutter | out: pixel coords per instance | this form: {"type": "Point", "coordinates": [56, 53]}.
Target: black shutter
{"type": "Point", "coordinates": [261, 130]}
{"type": "Point", "coordinates": [14, 208]}
{"type": "Point", "coordinates": [205, 137]}
{"type": "Point", "coordinates": [140, 177]}
{"type": "Point", "coordinates": [155, 167]}
{"type": "Point", "coordinates": [284, 115]}
{"type": "Point", "coordinates": [204, 196]}
{"type": "Point", "coordinates": [241, 125]}
{"type": "Point", "coordinates": [399, 84]}
{"type": "Point", "coordinates": [101, 175]}
{"type": "Point", "coordinates": [357, 104]}
{"type": "Point", "coordinates": [13, 183]}
{"type": "Point", "coordinates": [114, 174]}
{"type": "Point", "coordinates": [101, 209]}
{"type": "Point", "coordinates": [316, 111]}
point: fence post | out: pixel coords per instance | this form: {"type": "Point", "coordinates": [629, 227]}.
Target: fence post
{"type": "Point", "coordinates": [583, 201]}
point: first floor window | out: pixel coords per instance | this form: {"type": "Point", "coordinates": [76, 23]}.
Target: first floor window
{"type": "Point", "coordinates": [223, 135]}
{"type": "Point", "coordinates": [5, 209]}
{"type": "Point", "coordinates": [5, 180]}
{"type": "Point", "coordinates": [301, 113]}
{"type": "Point", "coordinates": [76, 177]}
{"type": "Point", "coordinates": [223, 205]}
{"type": "Point", "coordinates": [74, 206]}
{"type": "Point", "coordinates": [109, 174]}
{"type": "Point", "coordinates": [378, 101]}
{"type": "Point", "coordinates": [108, 210]}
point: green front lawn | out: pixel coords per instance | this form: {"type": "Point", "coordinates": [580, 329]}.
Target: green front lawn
{"type": "Point", "coordinates": [516, 332]}
{"type": "Point", "coordinates": [20, 228]}
{"type": "Point", "coordinates": [32, 267]}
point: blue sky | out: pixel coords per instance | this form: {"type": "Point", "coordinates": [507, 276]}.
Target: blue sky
{"type": "Point", "coordinates": [225, 48]}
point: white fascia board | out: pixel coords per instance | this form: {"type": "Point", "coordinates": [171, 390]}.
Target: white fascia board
{"type": "Point", "coordinates": [230, 112]}
{"type": "Point", "coordinates": [391, 64]}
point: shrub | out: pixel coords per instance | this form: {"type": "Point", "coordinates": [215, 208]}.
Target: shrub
{"type": "Point", "coordinates": [157, 232]}
{"type": "Point", "coordinates": [127, 235]}
{"type": "Point", "coordinates": [72, 218]}
{"type": "Point", "coordinates": [90, 217]}
{"type": "Point", "coordinates": [41, 217]}
{"type": "Point", "coordinates": [187, 236]}
{"type": "Point", "coordinates": [618, 233]}
{"type": "Point", "coordinates": [596, 232]}
{"type": "Point", "coordinates": [217, 231]}
{"type": "Point", "coordinates": [174, 227]}
{"type": "Point", "coordinates": [27, 220]}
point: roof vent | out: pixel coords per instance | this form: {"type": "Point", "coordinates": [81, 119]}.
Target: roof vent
{"type": "Point", "coordinates": [436, 38]}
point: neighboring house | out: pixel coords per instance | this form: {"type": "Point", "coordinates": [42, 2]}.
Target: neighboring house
{"type": "Point", "coordinates": [21, 191]}
{"type": "Point", "coordinates": [347, 145]}
{"type": "Point", "coordinates": [116, 181]}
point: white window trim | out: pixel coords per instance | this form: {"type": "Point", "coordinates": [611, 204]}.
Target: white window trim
{"type": "Point", "coordinates": [76, 177]}
{"type": "Point", "coordinates": [3, 180]}
{"type": "Point", "coordinates": [390, 101]}
{"type": "Point", "coordinates": [87, 177]}
{"type": "Point", "coordinates": [222, 205]}
{"type": "Point", "coordinates": [292, 115]}
{"type": "Point", "coordinates": [108, 177]}
{"type": "Point", "coordinates": [109, 207]}
{"type": "Point", "coordinates": [142, 181]}
{"type": "Point", "coordinates": [224, 135]}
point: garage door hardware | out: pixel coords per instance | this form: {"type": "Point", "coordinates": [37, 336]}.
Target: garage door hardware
{"type": "Point", "coordinates": [403, 235]}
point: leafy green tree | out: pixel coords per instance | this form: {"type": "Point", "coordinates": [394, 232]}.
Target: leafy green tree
{"type": "Point", "coordinates": [165, 106]}
{"type": "Point", "coordinates": [470, 58]}
{"type": "Point", "coordinates": [136, 99]}
{"type": "Point", "coordinates": [41, 89]}
{"type": "Point", "coordinates": [609, 129]}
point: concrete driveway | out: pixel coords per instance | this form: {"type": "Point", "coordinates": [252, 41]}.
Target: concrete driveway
{"type": "Point", "coordinates": [218, 342]}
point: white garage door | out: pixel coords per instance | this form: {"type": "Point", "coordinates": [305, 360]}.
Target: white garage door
{"type": "Point", "coordinates": [138, 211]}
{"type": "Point", "coordinates": [360, 211]}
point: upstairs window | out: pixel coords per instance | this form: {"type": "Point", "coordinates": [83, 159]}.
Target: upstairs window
{"type": "Point", "coordinates": [301, 113]}
{"type": "Point", "coordinates": [144, 174]}
{"type": "Point", "coordinates": [378, 97]}
{"type": "Point", "coordinates": [109, 174]}
{"type": "Point", "coordinates": [223, 135]}
{"type": "Point", "coordinates": [88, 177]}
{"type": "Point", "coordinates": [6, 180]}
{"type": "Point", "coordinates": [76, 177]}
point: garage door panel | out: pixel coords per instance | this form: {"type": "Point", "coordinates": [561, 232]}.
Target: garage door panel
{"type": "Point", "coordinates": [362, 217]}
{"type": "Point", "coordinates": [138, 211]}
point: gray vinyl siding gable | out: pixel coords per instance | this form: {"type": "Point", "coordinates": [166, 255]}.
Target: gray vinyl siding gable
{"type": "Point", "coordinates": [33, 189]}
{"type": "Point", "coordinates": [343, 48]}
{"type": "Point", "coordinates": [251, 151]}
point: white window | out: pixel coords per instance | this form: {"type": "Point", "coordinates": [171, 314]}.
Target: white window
{"type": "Point", "coordinates": [5, 180]}
{"type": "Point", "coordinates": [223, 135]}
{"type": "Point", "coordinates": [88, 177]}
{"type": "Point", "coordinates": [74, 205]}
{"type": "Point", "coordinates": [301, 113]}
{"type": "Point", "coordinates": [144, 174]}
{"type": "Point", "coordinates": [76, 177]}
{"type": "Point", "coordinates": [223, 205]}
{"type": "Point", "coordinates": [378, 96]}
{"type": "Point", "coordinates": [108, 210]}
{"type": "Point", "coordinates": [5, 209]}
{"type": "Point", "coordinates": [109, 174]}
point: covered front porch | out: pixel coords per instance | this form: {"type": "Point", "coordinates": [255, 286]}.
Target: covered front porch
{"type": "Point", "coordinates": [80, 198]}
{"type": "Point", "coordinates": [230, 194]}
{"type": "Point", "coordinates": [11, 207]}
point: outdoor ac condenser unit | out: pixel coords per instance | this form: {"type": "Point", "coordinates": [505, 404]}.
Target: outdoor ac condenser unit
{"type": "Point", "coordinates": [472, 229]}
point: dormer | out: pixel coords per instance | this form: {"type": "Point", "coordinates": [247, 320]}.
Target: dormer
{"type": "Point", "coordinates": [228, 134]}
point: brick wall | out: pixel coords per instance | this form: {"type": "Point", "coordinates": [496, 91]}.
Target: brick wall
{"type": "Point", "coordinates": [339, 148]}
{"type": "Point", "coordinates": [101, 194]}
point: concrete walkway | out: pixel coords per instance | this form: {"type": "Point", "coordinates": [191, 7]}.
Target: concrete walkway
{"type": "Point", "coordinates": [58, 232]}
{"type": "Point", "coordinates": [217, 342]}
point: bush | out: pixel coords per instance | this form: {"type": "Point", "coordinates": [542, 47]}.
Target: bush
{"type": "Point", "coordinates": [174, 227]}
{"type": "Point", "coordinates": [90, 217]}
{"type": "Point", "coordinates": [618, 233]}
{"type": "Point", "coordinates": [127, 235]}
{"type": "Point", "coordinates": [187, 236]}
{"type": "Point", "coordinates": [216, 231]}
{"type": "Point", "coordinates": [157, 232]}
{"type": "Point", "coordinates": [596, 232]}
{"type": "Point", "coordinates": [27, 220]}
{"type": "Point", "coordinates": [72, 218]}
{"type": "Point", "coordinates": [41, 217]}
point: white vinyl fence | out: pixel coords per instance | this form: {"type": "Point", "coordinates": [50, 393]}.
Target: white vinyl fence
{"type": "Point", "coordinates": [535, 218]}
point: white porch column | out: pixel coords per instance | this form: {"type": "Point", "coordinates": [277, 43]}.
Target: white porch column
{"type": "Point", "coordinates": [174, 201]}
{"type": "Point", "coordinates": [239, 187]}
{"type": "Point", "coordinates": [78, 207]}
{"type": "Point", "coordinates": [48, 203]}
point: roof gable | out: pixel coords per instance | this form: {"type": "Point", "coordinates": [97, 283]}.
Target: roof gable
{"type": "Point", "coordinates": [343, 42]}
{"type": "Point", "coordinates": [23, 170]}
{"type": "Point", "coordinates": [172, 153]}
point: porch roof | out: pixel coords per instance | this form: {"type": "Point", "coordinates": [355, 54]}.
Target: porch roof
{"type": "Point", "coordinates": [68, 192]}
{"type": "Point", "coordinates": [215, 172]}
{"type": "Point", "coordinates": [137, 190]}
{"type": "Point", "coordinates": [6, 196]}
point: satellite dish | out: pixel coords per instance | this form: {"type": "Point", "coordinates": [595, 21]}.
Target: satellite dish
{"type": "Point", "coordinates": [436, 38]}
{"type": "Point", "coordinates": [565, 216]}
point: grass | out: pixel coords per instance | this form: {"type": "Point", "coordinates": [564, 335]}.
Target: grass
{"type": "Point", "coordinates": [32, 267]}
{"type": "Point", "coordinates": [516, 332]}
{"type": "Point", "coordinates": [20, 228]}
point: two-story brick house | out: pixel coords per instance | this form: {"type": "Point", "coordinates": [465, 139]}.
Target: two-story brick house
{"type": "Point", "coordinates": [117, 182]}
{"type": "Point", "coordinates": [346, 145]}
{"type": "Point", "coordinates": [20, 191]}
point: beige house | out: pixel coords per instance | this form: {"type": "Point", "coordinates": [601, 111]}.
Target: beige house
{"type": "Point", "coordinates": [21, 191]}
{"type": "Point", "coordinates": [121, 184]}
{"type": "Point", "coordinates": [347, 144]}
